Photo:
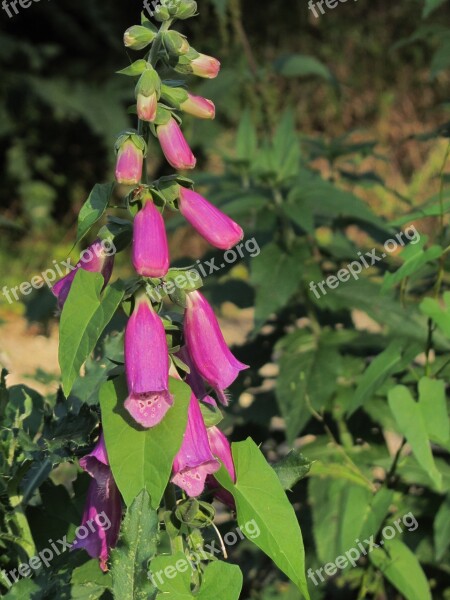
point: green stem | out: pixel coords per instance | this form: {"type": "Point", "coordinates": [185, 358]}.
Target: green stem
{"type": "Point", "coordinates": [170, 502]}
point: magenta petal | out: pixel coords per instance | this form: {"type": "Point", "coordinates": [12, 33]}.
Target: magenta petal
{"type": "Point", "coordinates": [208, 349]}
{"type": "Point", "coordinates": [150, 252]}
{"type": "Point", "coordinates": [211, 223]}
{"type": "Point", "coordinates": [195, 461]}
{"type": "Point", "coordinates": [129, 166]}
{"type": "Point", "coordinates": [220, 447]}
{"type": "Point", "coordinates": [146, 365]}
{"type": "Point", "coordinates": [174, 145]}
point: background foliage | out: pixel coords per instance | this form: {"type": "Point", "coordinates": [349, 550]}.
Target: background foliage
{"type": "Point", "coordinates": [331, 136]}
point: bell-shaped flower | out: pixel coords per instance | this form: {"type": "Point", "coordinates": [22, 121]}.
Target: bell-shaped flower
{"type": "Point", "coordinates": [194, 461]}
{"type": "Point", "coordinates": [205, 66]}
{"type": "Point", "coordinates": [97, 258]}
{"type": "Point", "coordinates": [199, 107]}
{"type": "Point", "coordinates": [103, 510]}
{"type": "Point", "coordinates": [150, 252]}
{"type": "Point", "coordinates": [146, 365]}
{"type": "Point", "coordinates": [174, 145]}
{"type": "Point", "coordinates": [211, 223]}
{"type": "Point", "coordinates": [207, 347]}
{"type": "Point", "coordinates": [130, 159]}
{"type": "Point", "coordinates": [220, 447]}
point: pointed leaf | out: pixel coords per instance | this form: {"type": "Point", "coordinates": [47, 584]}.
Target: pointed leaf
{"type": "Point", "coordinates": [94, 208]}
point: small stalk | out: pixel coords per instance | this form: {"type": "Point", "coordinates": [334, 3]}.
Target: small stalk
{"type": "Point", "coordinates": [170, 502]}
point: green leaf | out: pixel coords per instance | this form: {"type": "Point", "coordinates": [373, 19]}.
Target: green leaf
{"type": "Point", "coordinates": [89, 582]}
{"type": "Point", "coordinates": [433, 405]}
{"type": "Point", "coordinates": [135, 69]}
{"type": "Point", "coordinates": [441, 527]}
{"type": "Point", "coordinates": [440, 314]}
{"type": "Point", "coordinates": [411, 424]}
{"type": "Point", "coordinates": [85, 315]}
{"type": "Point", "coordinates": [402, 568]}
{"type": "Point", "coordinates": [431, 6]}
{"type": "Point", "coordinates": [441, 59]}
{"type": "Point", "coordinates": [94, 208]}
{"type": "Point", "coordinates": [143, 458]}
{"type": "Point", "coordinates": [276, 276]}
{"type": "Point", "coordinates": [416, 258]}
{"type": "Point", "coordinates": [137, 545]}
{"type": "Point", "coordinates": [260, 498]}
{"type": "Point", "coordinates": [396, 357]}
{"type": "Point", "coordinates": [301, 65]}
{"type": "Point", "coordinates": [246, 139]}
{"type": "Point", "coordinates": [290, 469]}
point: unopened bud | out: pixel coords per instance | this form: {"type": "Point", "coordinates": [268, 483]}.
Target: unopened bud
{"type": "Point", "coordinates": [138, 37]}
{"type": "Point", "coordinates": [131, 149]}
{"type": "Point", "coordinates": [175, 43]}
{"type": "Point", "coordinates": [161, 13]}
{"type": "Point", "coordinates": [187, 9]}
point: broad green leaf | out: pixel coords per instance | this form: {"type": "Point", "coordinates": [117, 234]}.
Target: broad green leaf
{"type": "Point", "coordinates": [292, 468]}
{"type": "Point", "coordinates": [431, 6]}
{"type": "Point", "coordinates": [376, 511]}
{"type": "Point", "coordinates": [441, 527]}
{"type": "Point", "coordinates": [85, 315]}
{"type": "Point", "coordinates": [89, 582]}
{"type": "Point", "coordinates": [260, 498]}
{"type": "Point", "coordinates": [172, 575]}
{"type": "Point", "coordinates": [397, 356]}
{"type": "Point", "coordinates": [276, 276]}
{"type": "Point", "coordinates": [94, 208]}
{"type": "Point", "coordinates": [137, 545]}
{"type": "Point", "coordinates": [411, 424]}
{"type": "Point", "coordinates": [402, 568]}
{"type": "Point", "coordinates": [143, 458]}
{"type": "Point", "coordinates": [286, 147]}
{"type": "Point", "coordinates": [301, 65]}
{"type": "Point", "coordinates": [339, 511]}
{"type": "Point", "coordinates": [440, 314]}
{"type": "Point", "coordinates": [305, 378]}
{"type": "Point", "coordinates": [24, 588]}
{"type": "Point", "coordinates": [336, 470]}
{"type": "Point", "coordinates": [412, 265]}
{"type": "Point", "coordinates": [433, 404]}
{"type": "Point", "coordinates": [246, 140]}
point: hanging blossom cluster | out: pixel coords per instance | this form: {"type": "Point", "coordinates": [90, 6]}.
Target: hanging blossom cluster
{"type": "Point", "coordinates": [209, 367]}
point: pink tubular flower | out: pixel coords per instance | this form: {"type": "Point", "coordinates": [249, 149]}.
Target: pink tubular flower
{"type": "Point", "coordinates": [194, 462]}
{"type": "Point", "coordinates": [98, 258]}
{"type": "Point", "coordinates": [146, 365]}
{"type": "Point", "coordinates": [211, 223]}
{"type": "Point", "coordinates": [103, 511]}
{"type": "Point", "coordinates": [207, 347]}
{"type": "Point", "coordinates": [175, 148]}
{"type": "Point", "coordinates": [130, 160]}
{"type": "Point", "coordinates": [147, 107]}
{"type": "Point", "coordinates": [150, 252]}
{"type": "Point", "coordinates": [205, 66]}
{"type": "Point", "coordinates": [199, 107]}
{"type": "Point", "coordinates": [221, 449]}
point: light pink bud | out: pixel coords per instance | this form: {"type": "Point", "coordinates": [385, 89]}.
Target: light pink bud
{"type": "Point", "coordinates": [129, 165]}
{"type": "Point", "coordinates": [147, 107]}
{"type": "Point", "coordinates": [175, 148]}
{"type": "Point", "coordinates": [199, 107]}
{"type": "Point", "coordinates": [205, 66]}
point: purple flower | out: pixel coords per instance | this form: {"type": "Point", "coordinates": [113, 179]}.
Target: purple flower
{"type": "Point", "coordinates": [211, 223]}
{"type": "Point", "coordinates": [130, 161]}
{"type": "Point", "coordinates": [103, 510]}
{"type": "Point", "coordinates": [98, 258]}
{"type": "Point", "coordinates": [194, 462]}
{"type": "Point", "coordinates": [146, 365]}
{"type": "Point", "coordinates": [207, 347]}
{"type": "Point", "coordinates": [150, 252]}
{"type": "Point", "coordinates": [174, 145]}
{"type": "Point", "coordinates": [221, 449]}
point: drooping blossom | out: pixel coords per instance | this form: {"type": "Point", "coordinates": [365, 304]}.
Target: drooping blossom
{"type": "Point", "coordinates": [103, 510]}
{"type": "Point", "coordinates": [207, 347]}
{"type": "Point", "coordinates": [194, 461]}
{"type": "Point", "coordinates": [174, 145]}
{"type": "Point", "coordinates": [211, 223]}
{"type": "Point", "coordinates": [150, 252]}
{"type": "Point", "coordinates": [205, 66]}
{"type": "Point", "coordinates": [199, 107]}
{"type": "Point", "coordinates": [97, 258]}
{"type": "Point", "coordinates": [220, 447]}
{"type": "Point", "coordinates": [130, 161]}
{"type": "Point", "coordinates": [146, 365]}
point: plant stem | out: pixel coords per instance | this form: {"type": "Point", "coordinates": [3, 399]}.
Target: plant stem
{"type": "Point", "coordinates": [170, 502]}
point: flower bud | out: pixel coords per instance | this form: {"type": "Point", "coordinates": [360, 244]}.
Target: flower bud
{"type": "Point", "coordinates": [175, 43]}
{"type": "Point", "coordinates": [205, 66]}
{"type": "Point", "coordinates": [187, 9]}
{"type": "Point", "coordinates": [130, 150]}
{"type": "Point", "coordinates": [150, 252]}
{"type": "Point", "coordinates": [174, 145]}
{"type": "Point", "coordinates": [138, 37]}
{"type": "Point", "coordinates": [198, 107]}
{"type": "Point", "coordinates": [161, 13]}
{"type": "Point", "coordinates": [148, 91]}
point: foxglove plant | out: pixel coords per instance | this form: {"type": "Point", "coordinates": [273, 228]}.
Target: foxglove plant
{"type": "Point", "coordinates": [159, 406]}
